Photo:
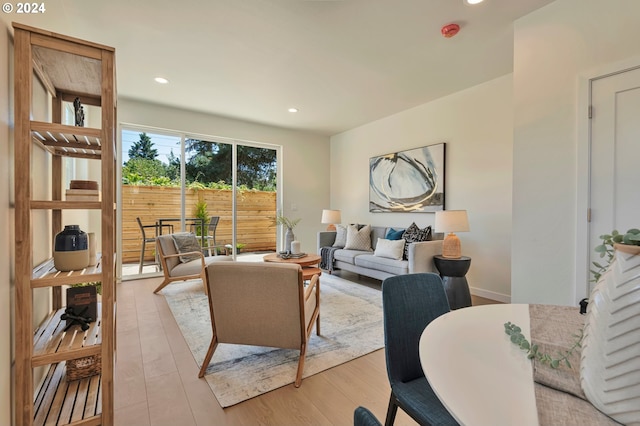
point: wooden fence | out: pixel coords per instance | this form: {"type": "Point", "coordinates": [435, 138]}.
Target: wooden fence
{"type": "Point", "coordinates": [256, 210]}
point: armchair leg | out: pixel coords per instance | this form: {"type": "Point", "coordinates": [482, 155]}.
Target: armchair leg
{"type": "Point", "coordinates": [391, 411]}
{"type": "Point", "coordinates": [303, 352]}
{"type": "Point", "coordinates": [212, 348]}
{"type": "Point", "coordinates": [163, 285]}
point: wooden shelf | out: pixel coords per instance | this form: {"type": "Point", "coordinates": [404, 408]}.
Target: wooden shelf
{"type": "Point", "coordinates": [68, 68]}
{"type": "Point", "coordinates": [46, 275]}
{"type": "Point", "coordinates": [52, 343]}
{"type": "Point", "coordinates": [58, 402]}
{"type": "Point", "coordinates": [68, 141]}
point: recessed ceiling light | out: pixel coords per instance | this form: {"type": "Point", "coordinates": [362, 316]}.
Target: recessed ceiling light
{"type": "Point", "coordinates": [293, 109]}
{"type": "Point", "coordinates": [161, 80]}
{"type": "Point", "coordinates": [473, 1]}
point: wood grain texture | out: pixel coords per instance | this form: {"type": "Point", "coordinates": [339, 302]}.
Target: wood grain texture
{"type": "Point", "coordinates": [327, 398]}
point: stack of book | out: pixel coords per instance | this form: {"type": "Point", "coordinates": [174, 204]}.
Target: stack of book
{"type": "Point", "coordinates": [83, 190]}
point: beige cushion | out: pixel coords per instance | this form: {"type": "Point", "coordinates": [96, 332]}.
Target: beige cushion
{"type": "Point", "coordinates": [186, 242]}
{"type": "Point", "coordinates": [393, 249]}
{"type": "Point", "coordinates": [194, 267]}
{"type": "Point", "coordinates": [358, 239]}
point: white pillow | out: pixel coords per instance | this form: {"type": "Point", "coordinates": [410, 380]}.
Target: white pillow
{"type": "Point", "coordinates": [358, 239]}
{"type": "Point", "coordinates": [392, 249]}
{"type": "Point", "coordinates": [341, 236]}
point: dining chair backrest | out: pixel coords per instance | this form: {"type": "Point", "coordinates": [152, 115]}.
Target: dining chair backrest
{"type": "Point", "coordinates": [142, 227]}
{"type": "Point", "coordinates": [363, 417]}
{"type": "Point", "coordinates": [213, 224]}
{"type": "Point", "coordinates": [409, 303]}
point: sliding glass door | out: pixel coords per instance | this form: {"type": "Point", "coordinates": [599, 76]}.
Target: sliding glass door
{"type": "Point", "coordinates": [222, 190]}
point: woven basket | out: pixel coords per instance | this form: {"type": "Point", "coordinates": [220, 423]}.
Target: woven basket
{"type": "Point", "coordinates": [81, 368]}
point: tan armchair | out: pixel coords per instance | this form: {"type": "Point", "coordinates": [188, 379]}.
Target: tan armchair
{"type": "Point", "coordinates": [262, 304]}
{"type": "Point", "coordinates": [175, 270]}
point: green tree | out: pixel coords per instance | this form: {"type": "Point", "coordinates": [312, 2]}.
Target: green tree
{"type": "Point", "coordinates": [211, 162]}
{"type": "Point", "coordinates": [142, 171]}
{"type": "Point", "coordinates": [143, 148]}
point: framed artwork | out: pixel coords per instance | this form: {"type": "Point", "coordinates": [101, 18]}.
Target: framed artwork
{"type": "Point", "coordinates": [409, 181]}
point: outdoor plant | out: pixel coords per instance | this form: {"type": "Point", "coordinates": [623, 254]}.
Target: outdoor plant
{"type": "Point", "coordinates": [201, 212]}
{"type": "Point", "coordinates": [631, 237]}
{"type": "Point", "coordinates": [280, 219]}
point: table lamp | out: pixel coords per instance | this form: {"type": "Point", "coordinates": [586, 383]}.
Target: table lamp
{"type": "Point", "coordinates": [451, 221]}
{"type": "Point", "coordinates": [331, 217]}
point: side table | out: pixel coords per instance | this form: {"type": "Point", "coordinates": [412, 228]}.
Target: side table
{"type": "Point", "coordinates": [453, 273]}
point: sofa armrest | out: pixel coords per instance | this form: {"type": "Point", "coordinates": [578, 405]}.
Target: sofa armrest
{"type": "Point", "coordinates": [421, 256]}
{"type": "Point", "coordinates": [326, 239]}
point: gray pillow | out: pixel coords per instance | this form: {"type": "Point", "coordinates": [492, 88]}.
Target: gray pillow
{"type": "Point", "coordinates": [341, 236]}
{"type": "Point", "coordinates": [186, 242]}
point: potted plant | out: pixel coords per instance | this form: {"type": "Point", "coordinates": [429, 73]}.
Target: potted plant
{"type": "Point", "coordinates": [281, 219]}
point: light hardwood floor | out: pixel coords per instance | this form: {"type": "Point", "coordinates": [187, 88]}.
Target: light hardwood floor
{"type": "Point", "coordinates": [157, 381]}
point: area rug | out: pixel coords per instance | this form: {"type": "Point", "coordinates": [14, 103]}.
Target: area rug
{"type": "Point", "coordinates": [351, 326]}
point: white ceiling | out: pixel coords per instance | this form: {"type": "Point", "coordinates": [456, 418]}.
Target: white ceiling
{"type": "Point", "coordinates": [343, 63]}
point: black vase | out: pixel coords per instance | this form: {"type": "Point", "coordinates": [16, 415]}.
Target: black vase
{"type": "Point", "coordinates": [71, 249]}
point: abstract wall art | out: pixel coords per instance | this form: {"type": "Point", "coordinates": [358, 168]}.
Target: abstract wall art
{"type": "Point", "coordinates": [409, 181]}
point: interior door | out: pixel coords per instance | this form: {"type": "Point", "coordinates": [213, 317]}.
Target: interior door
{"type": "Point", "coordinates": [615, 150]}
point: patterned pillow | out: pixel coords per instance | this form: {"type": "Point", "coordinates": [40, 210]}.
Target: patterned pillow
{"type": "Point", "coordinates": [186, 242]}
{"type": "Point", "coordinates": [392, 234]}
{"type": "Point", "coordinates": [413, 234]}
{"type": "Point", "coordinates": [341, 236]}
{"type": "Point", "coordinates": [392, 249]}
{"type": "Point", "coordinates": [358, 239]}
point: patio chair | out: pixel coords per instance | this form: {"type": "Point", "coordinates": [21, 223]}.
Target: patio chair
{"type": "Point", "coordinates": [409, 303]}
{"type": "Point", "coordinates": [149, 239]}
{"type": "Point", "coordinates": [210, 233]}
{"type": "Point", "coordinates": [183, 265]}
{"type": "Point", "coordinates": [262, 304]}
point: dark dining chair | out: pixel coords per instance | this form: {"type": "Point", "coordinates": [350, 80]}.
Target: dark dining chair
{"type": "Point", "coordinates": [363, 417]}
{"type": "Point", "coordinates": [150, 237]}
{"type": "Point", "coordinates": [409, 303]}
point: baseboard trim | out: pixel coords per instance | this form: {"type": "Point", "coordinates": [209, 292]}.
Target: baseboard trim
{"type": "Point", "coordinates": [504, 298]}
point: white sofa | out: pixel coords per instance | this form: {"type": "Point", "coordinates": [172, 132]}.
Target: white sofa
{"type": "Point", "coordinates": [420, 256]}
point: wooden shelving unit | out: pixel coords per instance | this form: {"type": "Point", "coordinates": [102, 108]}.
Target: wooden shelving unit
{"type": "Point", "coordinates": [68, 68]}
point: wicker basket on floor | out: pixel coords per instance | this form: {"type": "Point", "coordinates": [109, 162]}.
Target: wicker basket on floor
{"type": "Point", "coordinates": [81, 368]}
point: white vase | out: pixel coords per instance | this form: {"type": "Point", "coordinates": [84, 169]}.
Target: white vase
{"type": "Point", "coordinates": [610, 360]}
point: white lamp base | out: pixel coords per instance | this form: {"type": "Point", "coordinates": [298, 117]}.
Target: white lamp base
{"type": "Point", "coordinates": [451, 247]}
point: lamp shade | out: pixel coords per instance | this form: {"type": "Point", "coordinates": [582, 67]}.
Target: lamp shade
{"type": "Point", "coordinates": [451, 221]}
{"type": "Point", "coordinates": [331, 216]}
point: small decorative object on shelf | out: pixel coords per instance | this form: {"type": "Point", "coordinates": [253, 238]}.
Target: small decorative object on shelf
{"type": "Point", "coordinates": [71, 249]}
{"type": "Point", "coordinates": [81, 368]}
{"type": "Point", "coordinates": [81, 318]}
{"type": "Point", "coordinates": [79, 112]}
{"type": "Point", "coordinates": [84, 298]}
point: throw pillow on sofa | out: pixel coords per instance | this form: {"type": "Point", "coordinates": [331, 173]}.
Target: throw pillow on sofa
{"type": "Point", "coordinates": [341, 236]}
{"type": "Point", "coordinates": [393, 249]}
{"type": "Point", "coordinates": [414, 234]}
{"type": "Point", "coordinates": [392, 234]}
{"type": "Point", "coordinates": [358, 239]}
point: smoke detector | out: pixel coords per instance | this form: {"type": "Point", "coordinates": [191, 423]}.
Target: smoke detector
{"type": "Point", "coordinates": [450, 30]}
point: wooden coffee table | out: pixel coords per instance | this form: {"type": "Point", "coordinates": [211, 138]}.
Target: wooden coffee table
{"type": "Point", "coordinates": [307, 262]}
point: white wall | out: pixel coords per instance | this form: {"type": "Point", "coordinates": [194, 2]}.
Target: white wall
{"type": "Point", "coordinates": [555, 47]}
{"type": "Point", "coordinates": [6, 231]}
{"type": "Point", "coordinates": [305, 156]}
{"type": "Point", "coordinates": [476, 125]}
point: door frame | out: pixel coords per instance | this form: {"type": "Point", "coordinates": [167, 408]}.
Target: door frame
{"type": "Point", "coordinates": [583, 167]}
